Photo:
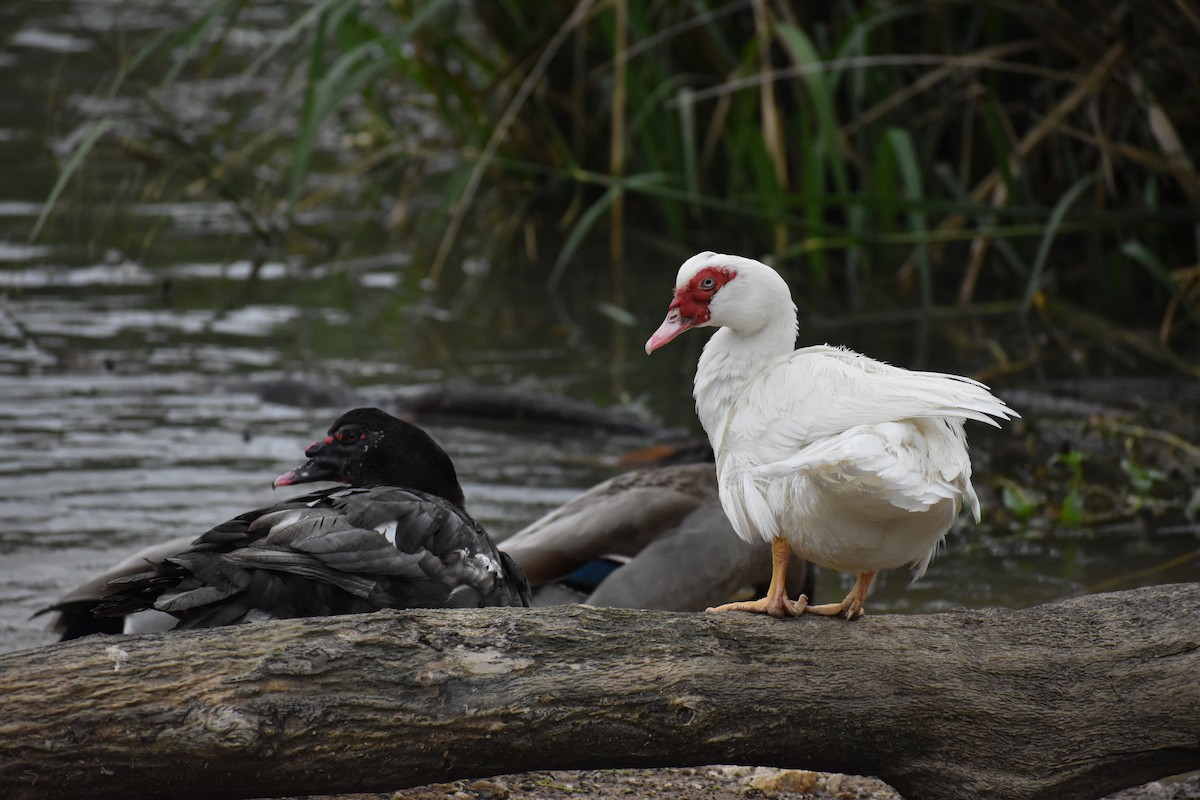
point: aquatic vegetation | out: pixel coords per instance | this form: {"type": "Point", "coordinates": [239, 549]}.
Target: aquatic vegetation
{"type": "Point", "coordinates": [1071, 512]}
{"type": "Point", "coordinates": [1039, 157]}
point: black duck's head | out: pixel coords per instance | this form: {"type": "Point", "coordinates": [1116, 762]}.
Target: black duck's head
{"type": "Point", "coordinates": [369, 447]}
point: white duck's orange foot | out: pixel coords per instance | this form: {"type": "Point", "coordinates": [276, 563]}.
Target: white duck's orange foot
{"type": "Point", "coordinates": [778, 607]}
{"type": "Point", "coordinates": [845, 608]}
{"type": "Point", "coordinates": [852, 606]}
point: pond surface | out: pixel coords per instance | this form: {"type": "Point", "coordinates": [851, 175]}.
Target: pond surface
{"type": "Point", "coordinates": [140, 396]}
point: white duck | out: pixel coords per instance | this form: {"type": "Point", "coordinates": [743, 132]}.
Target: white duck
{"type": "Point", "coordinates": [854, 464]}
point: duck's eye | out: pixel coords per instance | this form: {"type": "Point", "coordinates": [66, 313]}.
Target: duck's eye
{"type": "Point", "coordinates": [348, 437]}
{"type": "Point", "coordinates": [708, 284]}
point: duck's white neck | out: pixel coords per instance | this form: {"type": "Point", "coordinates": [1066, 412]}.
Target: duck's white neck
{"type": "Point", "coordinates": [730, 359]}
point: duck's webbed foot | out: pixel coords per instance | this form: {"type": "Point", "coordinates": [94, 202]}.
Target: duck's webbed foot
{"type": "Point", "coordinates": [850, 607]}
{"type": "Point", "coordinates": [778, 606]}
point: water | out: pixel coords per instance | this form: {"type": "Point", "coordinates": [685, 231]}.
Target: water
{"type": "Point", "coordinates": [136, 399]}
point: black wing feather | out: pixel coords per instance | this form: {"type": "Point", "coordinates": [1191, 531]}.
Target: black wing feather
{"type": "Point", "coordinates": [338, 551]}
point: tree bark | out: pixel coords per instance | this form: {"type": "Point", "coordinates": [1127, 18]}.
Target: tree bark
{"type": "Point", "coordinates": [1070, 700]}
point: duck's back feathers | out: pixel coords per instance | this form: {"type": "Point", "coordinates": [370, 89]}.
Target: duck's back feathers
{"type": "Point", "coordinates": [337, 551]}
{"type": "Point", "coordinates": [699, 563]}
{"type": "Point", "coordinates": [650, 538]}
{"type": "Point", "coordinates": [618, 517]}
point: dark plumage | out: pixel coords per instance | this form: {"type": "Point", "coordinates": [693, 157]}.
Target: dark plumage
{"type": "Point", "coordinates": [397, 538]}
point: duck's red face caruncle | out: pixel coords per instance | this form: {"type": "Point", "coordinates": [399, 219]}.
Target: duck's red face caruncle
{"type": "Point", "coordinates": [327, 459]}
{"type": "Point", "coordinates": [690, 308]}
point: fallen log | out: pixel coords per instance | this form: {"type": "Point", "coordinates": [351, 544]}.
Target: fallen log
{"type": "Point", "coordinates": [1069, 700]}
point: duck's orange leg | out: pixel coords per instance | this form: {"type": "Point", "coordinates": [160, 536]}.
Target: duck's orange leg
{"type": "Point", "coordinates": [776, 603]}
{"type": "Point", "coordinates": [852, 606]}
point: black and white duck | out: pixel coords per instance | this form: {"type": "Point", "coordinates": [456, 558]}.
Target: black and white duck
{"type": "Point", "coordinates": [397, 536]}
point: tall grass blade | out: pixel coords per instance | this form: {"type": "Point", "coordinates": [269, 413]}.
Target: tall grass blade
{"type": "Point", "coordinates": [298, 167]}
{"type": "Point", "coordinates": [1140, 253]}
{"type": "Point", "coordinates": [1143, 255]}
{"type": "Point", "coordinates": [909, 166]}
{"type": "Point", "coordinates": [1052, 225]}
{"type": "Point", "coordinates": [72, 166]}
{"type": "Point", "coordinates": [985, 221]}
{"type": "Point", "coordinates": [827, 152]}
{"type": "Point", "coordinates": [348, 75]}
{"type": "Point", "coordinates": [587, 220]}
{"type": "Point", "coordinates": [806, 56]}
{"type": "Point", "coordinates": [326, 90]}
{"type": "Point", "coordinates": [505, 122]}
{"type": "Point", "coordinates": [308, 19]}
{"type": "Point", "coordinates": [195, 36]}
{"type": "Point", "coordinates": [141, 56]}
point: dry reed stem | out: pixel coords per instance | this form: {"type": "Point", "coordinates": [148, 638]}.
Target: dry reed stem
{"type": "Point", "coordinates": [1190, 11]}
{"type": "Point", "coordinates": [987, 58]}
{"type": "Point", "coordinates": [616, 153]}
{"type": "Point", "coordinates": [1168, 140]}
{"type": "Point", "coordinates": [772, 123]}
{"type": "Point", "coordinates": [1178, 168]}
{"type": "Point", "coordinates": [1187, 284]}
{"type": "Point", "coordinates": [616, 167]}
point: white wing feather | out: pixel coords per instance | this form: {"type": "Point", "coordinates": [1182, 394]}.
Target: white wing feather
{"type": "Point", "coordinates": [820, 392]}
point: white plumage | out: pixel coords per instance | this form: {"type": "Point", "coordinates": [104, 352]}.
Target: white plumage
{"type": "Point", "coordinates": [855, 464]}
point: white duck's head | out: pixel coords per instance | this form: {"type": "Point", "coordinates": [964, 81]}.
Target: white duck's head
{"type": "Point", "coordinates": [717, 290]}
